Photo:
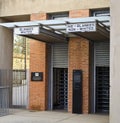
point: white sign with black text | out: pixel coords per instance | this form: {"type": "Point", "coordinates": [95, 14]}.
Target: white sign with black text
{"type": "Point", "coordinates": [27, 30]}
{"type": "Point", "coordinates": [81, 27]}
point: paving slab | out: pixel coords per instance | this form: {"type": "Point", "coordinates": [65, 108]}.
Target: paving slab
{"type": "Point", "coordinates": [25, 116]}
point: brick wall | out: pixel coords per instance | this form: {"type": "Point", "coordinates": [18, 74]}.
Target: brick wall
{"type": "Point", "coordinates": [38, 59]}
{"type": "Point", "coordinates": [79, 59]}
{"type": "Point", "coordinates": [79, 13]}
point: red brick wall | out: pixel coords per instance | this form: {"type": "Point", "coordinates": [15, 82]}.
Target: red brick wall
{"type": "Point", "coordinates": [79, 13]}
{"type": "Point", "coordinates": [79, 59]}
{"type": "Point", "coordinates": [38, 59]}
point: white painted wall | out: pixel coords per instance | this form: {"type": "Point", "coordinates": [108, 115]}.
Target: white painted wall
{"type": "Point", "coordinates": [115, 62]}
{"type": "Point", "coordinates": [20, 95]}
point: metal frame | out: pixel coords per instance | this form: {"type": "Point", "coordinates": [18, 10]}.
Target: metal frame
{"type": "Point", "coordinates": [51, 78]}
{"type": "Point", "coordinates": [58, 15]}
{"type": "Point", "coordinates": [57, 24]}
{"type": "Point", "coordinates": [101, 33]}
{"type": "Point", "coordinates": [94, 79]}
{"type": "Point", "coordinates": [94, 101]}
{"type": "Point", "coordinates": [55, 30]}
{"type": "Point", "coordinates": [100, 12]}
{"type": "Point", "coordinates": [47, 34]}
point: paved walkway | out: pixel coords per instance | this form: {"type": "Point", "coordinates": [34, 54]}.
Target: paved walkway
{"type": "Point", "coordinates": [52, 117]}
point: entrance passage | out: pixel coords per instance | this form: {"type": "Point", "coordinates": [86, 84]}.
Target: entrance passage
{"type": "Point", "coordinates": [102, 76]}
{"type": "Point", "coordinates": [60, 88]}
{"type": "Point", "coordinates": [102, 89]}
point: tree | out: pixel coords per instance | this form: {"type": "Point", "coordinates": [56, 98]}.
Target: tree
{"type": "Point", "coordinates": [20, 52]}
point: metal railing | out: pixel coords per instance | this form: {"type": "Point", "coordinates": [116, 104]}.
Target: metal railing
{"type": "Point", "coordinates": [19, 89]}
{"type": "Point", "coordinates": [13, 91]}
{"type": "Point", "coordinates": [5, 91]}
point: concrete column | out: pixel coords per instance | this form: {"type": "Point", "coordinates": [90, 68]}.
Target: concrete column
{"type": "Point", "coordinates": [6, 47]}
{"type": "Point", "coordinates": [6, 55]}
{"type": "Point", "coordinates": [115, 62]}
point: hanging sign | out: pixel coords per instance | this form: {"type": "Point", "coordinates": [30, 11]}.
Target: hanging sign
{"type": "Point", "coordinates": [81, 27]}
{"type": "Point", "coordinates": [27, 30]}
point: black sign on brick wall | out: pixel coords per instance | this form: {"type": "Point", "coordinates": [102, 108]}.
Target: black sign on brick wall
{"type": "Point", "coordinates": [36, 76]}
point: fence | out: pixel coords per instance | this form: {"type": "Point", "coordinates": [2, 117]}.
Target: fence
{"type": "Point", "coordinates": [20, 89]}
{"type": "Point", "coordinates": [13, 90]}
{"type": "Point", "coordinates": [5, 91]}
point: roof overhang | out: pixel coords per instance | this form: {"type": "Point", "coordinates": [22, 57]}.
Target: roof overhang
{"type": "Point", "coordinates": [41, 33]}
{"type": "Point", "coordinates": [95, 31]}
{"type": "Point", "coordinates": [91, 28]}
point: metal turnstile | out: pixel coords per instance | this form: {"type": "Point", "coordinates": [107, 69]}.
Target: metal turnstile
{"type": "Point", "coordinates": [102, 89]}
{"type": "Point", "coordinates": [60, 93]}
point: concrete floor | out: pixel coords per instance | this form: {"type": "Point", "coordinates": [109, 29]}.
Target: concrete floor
{"type": "Point", "coordinates": [24, 116]}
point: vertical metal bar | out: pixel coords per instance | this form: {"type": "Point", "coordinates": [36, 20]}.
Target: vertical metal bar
{"type": "Point", "coordinates": [94, 79]}
{"type": "Point", "coordinates": [22, 88]}
{"type": "Point", "coordinates": [17, 87]}
{"type": "Point", "coordinates": [24, 83]}
{"type": "Point", "coordinates": [7, 94]}
{"type": "Point", "coordinates": [13, 84]}
{"type": "Point", "coordinates": [27, 82]}
{"type": "Point", "coordinates": [19, 92]}
{"type": "Point", "coordinates": [51, 77]}
{"type": "Point", "coordinates": [3, 92]}
{"type": "Point", "coordinates": [11, 91]}
{"type": "Point", "coordinates": [24, 38]}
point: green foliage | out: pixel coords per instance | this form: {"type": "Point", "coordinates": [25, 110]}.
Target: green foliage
{"type": "Point", "coordinates": [21, 45]}
{"type": "Point", "coordinates": [21, 52]}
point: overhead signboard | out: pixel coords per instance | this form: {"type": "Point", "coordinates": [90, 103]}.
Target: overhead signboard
{"type": "Point", "coordinates": [81, 27]}
{"type": "Point", "coordinates": [27, 30]}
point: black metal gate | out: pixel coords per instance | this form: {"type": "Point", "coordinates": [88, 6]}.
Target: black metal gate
{"type": "Point", "coordinates": [13, 91]}
{"type": "Point", "coordinates": [60, 93]}
{"type": "Point", "coordinates": [5, 91]}
{"type": "Point", "coordinates": [102, 89]}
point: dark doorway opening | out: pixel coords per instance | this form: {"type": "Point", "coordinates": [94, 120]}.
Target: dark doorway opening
{"type": "Point", "coordinates": [102, 89]}
{"type": "Point", "coordinates": [60, 88]}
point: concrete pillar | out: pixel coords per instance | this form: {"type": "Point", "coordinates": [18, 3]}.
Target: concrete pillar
{"type": "Point", "coordinates": [115, 62]}
{"type": "Point", "coordinates": [6, 47]}
{"type": "Point", "coordinates": [6, 58]}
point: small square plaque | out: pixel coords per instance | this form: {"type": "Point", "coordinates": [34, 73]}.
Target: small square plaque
{"type": "Point", "coordinates": [36, 76]}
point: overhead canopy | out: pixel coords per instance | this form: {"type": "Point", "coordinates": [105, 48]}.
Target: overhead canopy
{"type": "Point", "coordinates": [95, 31]}
{"type": "Point", "coordinates": [92, 28]}
{"type": "Point", "coordinates": [41, 33]}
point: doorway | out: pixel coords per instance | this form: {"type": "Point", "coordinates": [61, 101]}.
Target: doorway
{"type": "Point", "coordinates": [58, 76]}
{"type": "Point", "coordinates": [102, 89]}
{"type": "Point", "coordinates": [101, 68]}
{"type": "Point", "coordinates": [60, 88]}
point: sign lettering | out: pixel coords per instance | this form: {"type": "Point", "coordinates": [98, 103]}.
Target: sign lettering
{"type": "Point", "coordinates": [26, 30]}
{"type": "Point", "coordinates": [81, 27]}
